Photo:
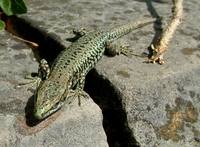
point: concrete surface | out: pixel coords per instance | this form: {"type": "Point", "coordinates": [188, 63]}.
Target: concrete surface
{"type": "Point", "coordinates": [75, 126]}
{"type": "Point", "coordinates": [160, 105]}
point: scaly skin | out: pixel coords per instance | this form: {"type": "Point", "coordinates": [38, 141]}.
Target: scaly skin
{"type": "Point", "coordinates": [67, 74]}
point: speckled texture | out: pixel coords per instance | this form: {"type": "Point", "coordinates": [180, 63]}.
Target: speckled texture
{"type": "Point", "coordinates": [76, 126]}
{"type": "Point", "coordinates": [153, 95]}
{"type": "Point", "coordinates": [158, 99]}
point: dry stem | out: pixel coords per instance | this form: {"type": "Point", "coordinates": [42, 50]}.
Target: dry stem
{"type": "Point", "coordinates": [161, 46]}
{"type": "Point", "coordinates": [33, 44]}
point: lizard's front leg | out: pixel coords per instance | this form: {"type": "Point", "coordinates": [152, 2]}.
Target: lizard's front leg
{"type": "Point", "coordinates": [78, 34]}
{"type": "Point", "coordinates": [43, 73]}
{"type": "Point", "coordinates": [43, 70]}
{"type": "Point", "coordinates": [78, 91]}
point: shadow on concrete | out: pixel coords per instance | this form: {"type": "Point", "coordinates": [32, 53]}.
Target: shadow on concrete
{"type": "Point", "coordinates": [157, 24]}
{"type": "Point", "coordinates": [109, 99]}
{"type": "Point", "coordinates": [30, 119]}
{"type": "Point", "coordinates": [49, 45]}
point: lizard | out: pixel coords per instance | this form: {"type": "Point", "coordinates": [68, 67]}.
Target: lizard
{"type": "Point", "coordinates": [66, 77]}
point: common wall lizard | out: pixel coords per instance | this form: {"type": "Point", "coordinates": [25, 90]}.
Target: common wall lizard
{"type": "Point", "coordinates": [65, 79]}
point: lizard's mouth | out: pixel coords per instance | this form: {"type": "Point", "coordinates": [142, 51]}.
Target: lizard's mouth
{"type": "Point", "coordinates": [54, 109]}
{"type": "Point", "coordinates": [42, 113]}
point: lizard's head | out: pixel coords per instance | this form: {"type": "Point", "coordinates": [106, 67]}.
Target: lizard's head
{"type": "Point", "coordinates": [48, 98]}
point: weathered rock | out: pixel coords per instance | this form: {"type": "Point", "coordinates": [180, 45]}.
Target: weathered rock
{"type": "Point", "coordinates": [74, 125]}
{"type": "Point", "coordinates": [161, 102]}
{"type": "Point", "coordinates": [142, 103]}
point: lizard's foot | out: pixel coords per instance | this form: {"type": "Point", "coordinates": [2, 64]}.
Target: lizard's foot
{"type": "Point", "coordinates": [78, 93]}
{"type": "Point", "coordinates": [80, 32]}
{"type": "Point", "coordinates": [33, 81]}
{"type": "Point", "coordinates": [157, 56]}
{"type": "Point", "coordinates": [125, 50]}
{"type": "Point", "coordinates": [43, 73]}
{"type": "Point", "coordinates": [115, 49]}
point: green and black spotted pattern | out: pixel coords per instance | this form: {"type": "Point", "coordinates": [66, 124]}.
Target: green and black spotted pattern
{"type": "Point", "coordinates": [69, 69]}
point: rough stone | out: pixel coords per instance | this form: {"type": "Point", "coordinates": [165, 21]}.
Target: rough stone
{"type": "Point", "coordinates": [74, 125]}
{"type": "Point", "coordinates": [148, 104]}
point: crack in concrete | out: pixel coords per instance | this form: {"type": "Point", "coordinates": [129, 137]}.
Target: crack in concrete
{"type": "Point", "coordinates": [109, 99]}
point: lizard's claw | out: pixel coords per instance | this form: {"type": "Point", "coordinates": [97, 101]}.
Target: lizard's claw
{"type": "Point", "coordinates": [43, 73]}
{"type": "Point", "coordinates": [30, 81]}
{"type": "Point", "coordinates": [78, 93]}
{"type": "Point", "coordinates": [80, 32]}
{"type": "Point", "coordinates": [125, 50]}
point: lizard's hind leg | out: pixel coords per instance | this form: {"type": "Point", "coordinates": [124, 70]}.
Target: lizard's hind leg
{"type": "Point", "coordinates": [113, 49]}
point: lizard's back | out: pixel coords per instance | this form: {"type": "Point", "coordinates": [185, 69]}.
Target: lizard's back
{"type": "Point", "coordinates": [67, 74]}
{"type": "Point", "coordinates": [81, 56]}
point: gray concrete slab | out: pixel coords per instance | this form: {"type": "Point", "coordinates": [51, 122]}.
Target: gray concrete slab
{"type": "Point", "coordinates": [161, 103]}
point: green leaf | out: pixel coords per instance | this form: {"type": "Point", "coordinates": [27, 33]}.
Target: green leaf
{"type": "Point", "coordinates": [11, 7]}
{"type": "Point", "coordinates": [2, 25]}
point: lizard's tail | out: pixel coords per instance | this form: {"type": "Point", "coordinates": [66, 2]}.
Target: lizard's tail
{"type": "Point", "coordinates": [127, 28]}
